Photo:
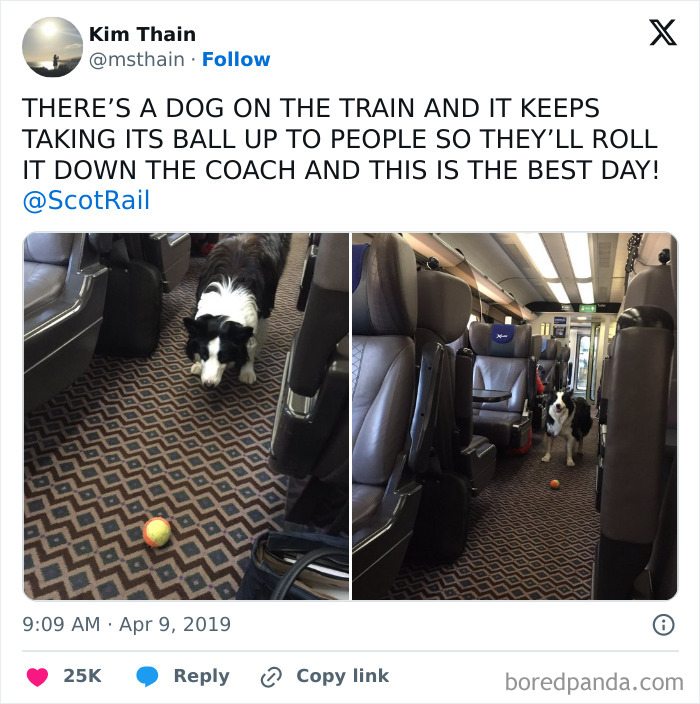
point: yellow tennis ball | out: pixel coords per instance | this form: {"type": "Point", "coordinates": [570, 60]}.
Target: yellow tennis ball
{"type": "Point", "coordinates": [156, 532]}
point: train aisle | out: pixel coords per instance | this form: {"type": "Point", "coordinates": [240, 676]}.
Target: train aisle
{"type": "Point", "coordinates": [136, 438]}
{"type": "Point", "coordinates": [526, 540]}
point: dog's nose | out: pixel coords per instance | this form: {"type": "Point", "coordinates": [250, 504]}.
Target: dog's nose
{"type": "Point", "coordinates": [208, 384]}
{"type": "Point", "coordinates": [557, 406]}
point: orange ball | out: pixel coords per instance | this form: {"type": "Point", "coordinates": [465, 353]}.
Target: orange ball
{"type": "Point", "coordinates": [156, 532]}
{"type": "Point", "coordinates": [554, 484]}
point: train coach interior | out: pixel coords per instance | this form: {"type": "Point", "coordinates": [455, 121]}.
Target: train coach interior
{"type": "Point", "coordinates": [453, 333]}
{"type": "Point", "coordinates": [117, 430]}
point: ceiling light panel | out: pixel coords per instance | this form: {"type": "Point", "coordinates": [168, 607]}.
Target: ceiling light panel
{"type": "Point", "coordinates": [533, 245]}
{"type": "Point", "coordinates": [586, 292]}
{"type": "Point", "coordinates": [579, 255]}
{"type": "Point", "coordinates": [559, 292]}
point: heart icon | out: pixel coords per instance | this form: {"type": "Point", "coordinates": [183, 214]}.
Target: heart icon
{"type": "Point", "coordinates": [37, 677]}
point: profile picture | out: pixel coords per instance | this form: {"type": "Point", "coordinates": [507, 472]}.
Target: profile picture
{"type": "Point", "coordinates": [52, 47]}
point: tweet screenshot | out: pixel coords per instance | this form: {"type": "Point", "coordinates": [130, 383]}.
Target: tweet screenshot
{"type": "Point", "coordinates": [383, 309]}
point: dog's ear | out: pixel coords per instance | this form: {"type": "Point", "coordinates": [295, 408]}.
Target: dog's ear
{"type": "Point", "coordinates": [190, 325]}
{"type": "Point", "coordinates": [235, 332]}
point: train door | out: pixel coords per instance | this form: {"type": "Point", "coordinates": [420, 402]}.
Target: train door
{"type": "Point", "coordinates": [589, 343]}
{"type": "Point", "coordinates": [582, 360]}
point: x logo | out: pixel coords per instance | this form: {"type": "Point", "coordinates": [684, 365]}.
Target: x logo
{"type": "Point", "coordinates": [663, 32]}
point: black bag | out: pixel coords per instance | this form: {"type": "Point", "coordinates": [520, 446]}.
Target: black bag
{"type": "Point", "coordinates": [297, 566]}
{"type": "Point", "coordinates": [131, 319]}
{"type": "Point", "coordinates": [440, 531]}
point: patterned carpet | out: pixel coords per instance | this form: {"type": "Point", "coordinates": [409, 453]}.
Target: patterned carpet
{"type": "Point", "coordinates": [526, 541]}
{"type": "Point", "coordinates": [133, 439]}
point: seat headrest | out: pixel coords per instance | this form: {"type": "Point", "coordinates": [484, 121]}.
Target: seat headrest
{"type": "Point", "coordinates": [384, 294]}
{"type": "Point", "coordinates": [652, 287]}
{"type": "Point", "coordinates": [550, 349]}
{"type": "Point", "coordinates": [444, 304]}
{"type": "Point", "coordinates": [536, 346]}
{"type": "Point", "coordinates": [499, 340]}
{"type": "Point", "coordinates": [461, 342]}
{"type": "Point", "coordinates": [564, 354]}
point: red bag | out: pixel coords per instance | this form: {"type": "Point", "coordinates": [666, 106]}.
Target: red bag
{"type": "Point", "coordinates": [517, 451]}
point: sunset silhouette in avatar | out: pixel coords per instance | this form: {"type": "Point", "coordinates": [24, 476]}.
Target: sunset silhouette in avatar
{"type": "Point", "coordinates": [52, 47]}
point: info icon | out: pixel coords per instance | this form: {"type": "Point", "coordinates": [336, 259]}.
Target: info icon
{"type": "Point", "coordinates": [663, 625]}
{"type": "Point", "coordinates": [52, 47]}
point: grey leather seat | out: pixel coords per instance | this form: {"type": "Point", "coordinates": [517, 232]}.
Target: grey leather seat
{"type": "Point", "coordinates": [565, 366]}
{"type": "Point", "coordinates": [310, 436]}
{"type": "Point", "coordinates": [444, 307]}
{"type": "Point", "coordinates": [170, 253]}
{"type": "Point", "coordinates": [536, 345]}
{"type": "Point", "coordinates": [549, 364]}
{"type": "Point", "coordinates": [384, 499]}
{"type": "Point", "coordinates": [636, 554]}
{"type": "Point", "coordinates": [461, 463]}
{"type": "Point", "coordinates": [64, 293]}
{"type": "Point", "coordinates": [504, 363]}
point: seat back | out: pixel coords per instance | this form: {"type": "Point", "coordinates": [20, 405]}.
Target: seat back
{"type": "Point", "coordinates": [384, 499]}
{"type": "Point", "coordinates": [536, 346]}
{"type": "Point", "coordinates": [503, 362]}
{"type": "Point", "coordinates": [565, 366]}
{"type": "Point", "coordinates": [444, 307]}
{"type": "Point", "coordinates": [637, 495]}
{"type": "Point", "coordinates": [654, 286]}
{"type": "Point", "coordinates": [384, 313]}
{"type": "Point", "coordinates": [310, 436]}
{"type": "Point", "coordinates": [550, 366]}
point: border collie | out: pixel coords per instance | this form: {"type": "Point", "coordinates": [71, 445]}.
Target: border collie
{"type": "Point", "coordinates": [235, 296]}
{"type": "Point", "coordinates": [569, 418]}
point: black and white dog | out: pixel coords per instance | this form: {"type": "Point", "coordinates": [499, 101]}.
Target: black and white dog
{"type": "Point", "coordinates": [569, 418]}
{"type": "Point", "coordinates": [235, 296]}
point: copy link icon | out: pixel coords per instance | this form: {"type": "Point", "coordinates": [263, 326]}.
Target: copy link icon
{"type": "Point", "coordinates": [271, 677]}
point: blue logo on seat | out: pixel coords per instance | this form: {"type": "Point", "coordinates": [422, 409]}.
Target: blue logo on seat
{"type": "Point", "coordinates": [502, 334]}
{"type": "Point", "coordinates": [358, 252]}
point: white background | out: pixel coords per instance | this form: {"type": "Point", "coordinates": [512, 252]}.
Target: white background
{"type": "Point", "coordinates": [390, 49]}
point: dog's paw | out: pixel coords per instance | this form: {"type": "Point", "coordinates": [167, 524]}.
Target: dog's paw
{"type": "Point", "coordinates": [570, 463]}
{"type": "Point", "coordinates": [546, 458]}
{"type": "Point", "coordinates": [247, 375]}
{"type": "Point", "coordinates": [196, 368]}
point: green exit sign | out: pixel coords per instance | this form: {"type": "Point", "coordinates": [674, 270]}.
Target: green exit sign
{"type": "Point", "coordinates": [587, 308]}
